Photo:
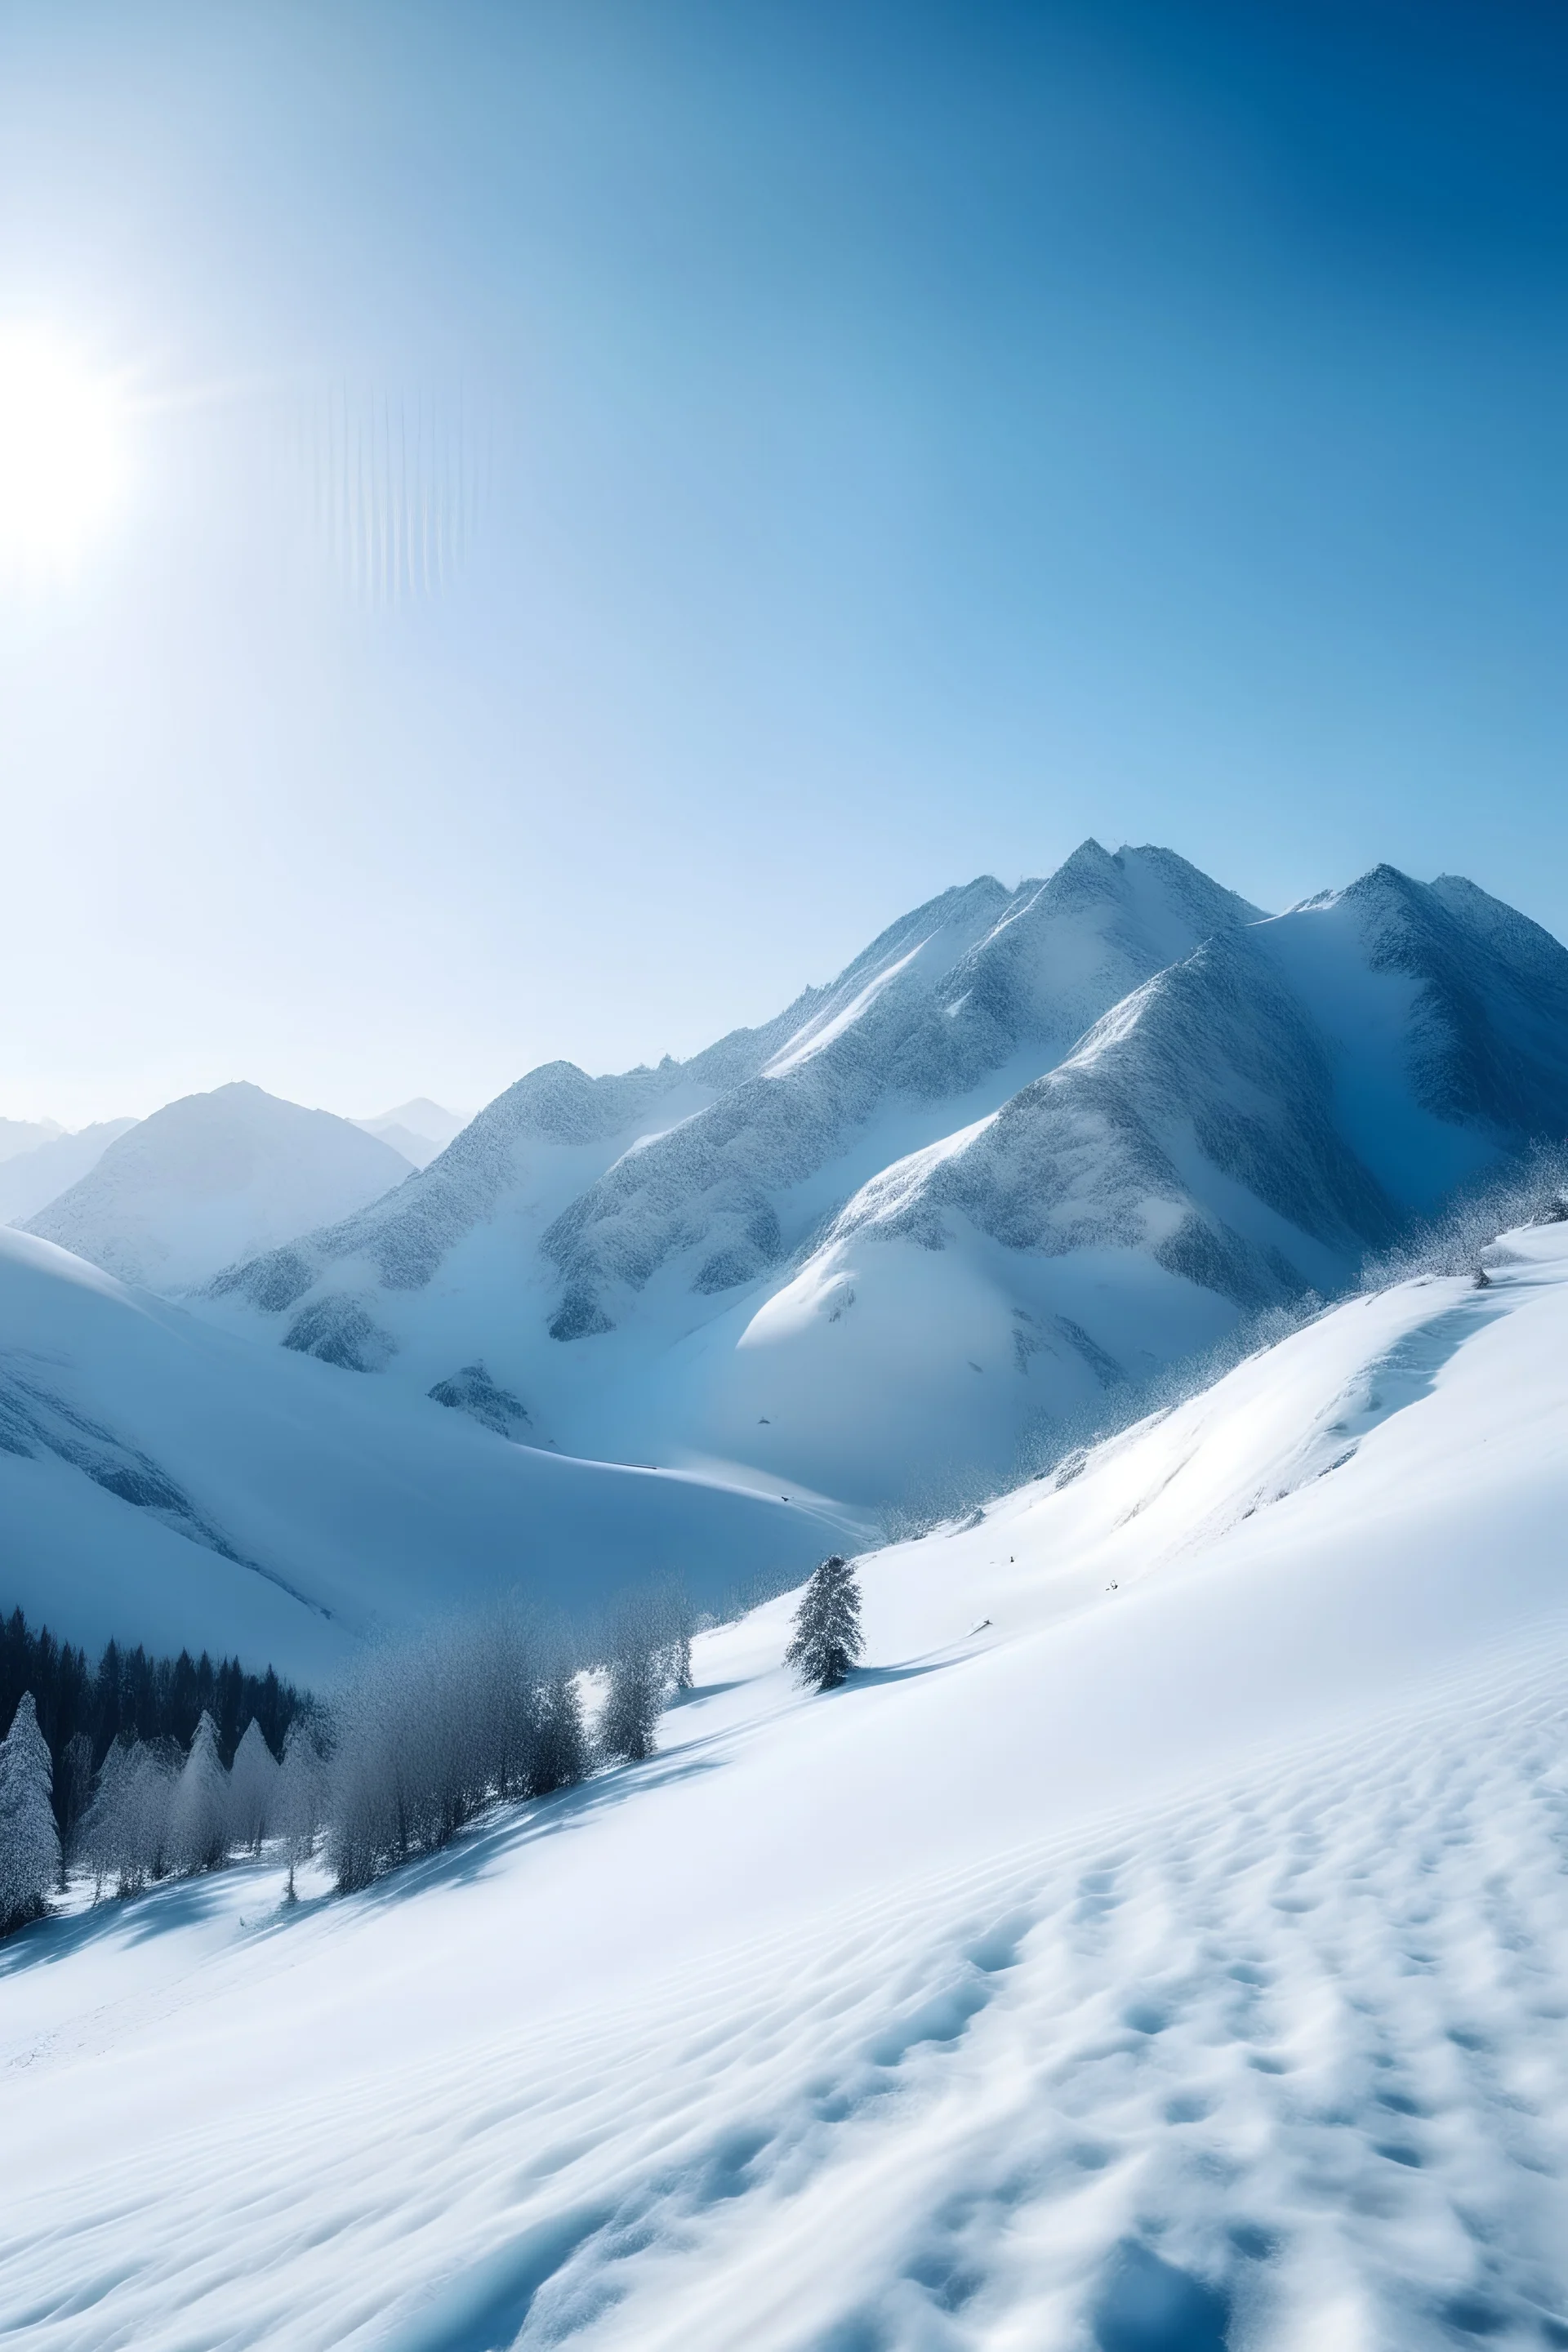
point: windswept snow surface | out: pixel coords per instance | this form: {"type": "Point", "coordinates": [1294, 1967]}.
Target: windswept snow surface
{"type": "Point", "coordinates": [212, 1177]}
{"type": "Point", "coordinates": [162, 1482]}
{"type": "Point", "coordinates": [1160, 1946]}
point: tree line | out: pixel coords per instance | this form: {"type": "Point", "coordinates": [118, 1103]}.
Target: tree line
{"type": "Point", "coordinates": [82, 1709]}
{"type": "Point", "coordinates": [420, 1736]}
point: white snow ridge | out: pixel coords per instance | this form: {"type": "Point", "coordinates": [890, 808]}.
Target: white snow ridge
{"type": "Point", "coordinates": [1157, 1942]}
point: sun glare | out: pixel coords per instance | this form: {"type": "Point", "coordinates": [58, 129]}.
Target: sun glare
{"type": "Point", "coordinates": [60, 455]}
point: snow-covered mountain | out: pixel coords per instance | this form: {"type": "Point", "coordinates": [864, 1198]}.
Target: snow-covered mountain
{"type": "Point", "coordinates": [1158, 1946]}
{"type": "Point", "coordinates": [30, 1179]}
{"type": "Point", "coordinates": [212, 1177]}
{"type": "Point", "coordinates": [25, 1135]}
{"type": "Point", "coordinates": [1030, 1146]}
{"type": "Point", "coordinates": [418, 1130]}
{"type": "Point", "coordinates": [168, 1483]}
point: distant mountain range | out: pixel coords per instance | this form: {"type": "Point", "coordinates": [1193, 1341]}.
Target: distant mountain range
{"type": "Point", "coordinates": [39, 1160]}
{"type": "Point", "coordinates": [712, 1317]}
{"type": "Point", "coordinates": [20, 1135]}
{"type": "Point", "coordinates": [1032, 1145]}
{"type": "Point", "coordinates": [30, 1179]}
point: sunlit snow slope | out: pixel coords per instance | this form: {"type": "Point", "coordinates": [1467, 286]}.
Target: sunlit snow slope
{"type": "Point", "coordinates": [165, 1483]}
{"type": "Point", "coordinates": [1160, 1946]}
{"type": "Point", "coordinates": [1029, 1149]}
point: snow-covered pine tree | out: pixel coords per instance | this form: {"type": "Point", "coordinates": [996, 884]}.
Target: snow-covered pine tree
{"type": "Point", "coordinates": [198, 1816]}
{"type": "Point", "coordinates": [150, 1808]}
{"type": "Point", "coordinates": [628, 1723]}
{"type": "Point", "coordinates": [559, 1748]}
{"type": "Point", "coordinates": [100, 1839]}
{"type": "Point", "coordinates": [299, 1796]}
{"type": "Point", "coordinates": [29, 1842]}
{"type": "Point", "coordinates": [828, 1640]}
{"type": "Point", "coordinates": [675, 1611]}
{"type": "Point", "coordinates": [375, 1793]}
{"type": "Point", "coordinates": [252, 1790]}
{"type": "Point", "coordinates": [73, 1791]}
{"type": "Point", "coordinates": [124, 1832]}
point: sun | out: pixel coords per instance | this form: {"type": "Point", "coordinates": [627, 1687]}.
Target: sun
{"type": "Point", "coordinates": [61, 454]}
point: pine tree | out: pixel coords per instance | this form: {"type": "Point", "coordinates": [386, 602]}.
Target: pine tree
{"type": "Point", "coordinates": [629, 1722]}
{"type": "Point", "coordinates": [125, 1829]}
{"type": "Point", "coordinates": [676, 1653]}
{"type": "Point", "coordinates": [299, 1796]}
{"type": "Point", "coordinates": [252, 1790]}
{"type": "Point", "coordinates": [150, 1813]}
{"type": "Point", "coordinates": [101, 1840]}
{"type": "Point", "coordinates": [560, 1757]}
{"type": "Point", "coordinates": [29, 1842]}
{"type": "Point", "coordinates": [198, 1820]}
{"type": "Point", "coordinates": [73, 1789]}
{"type": "Point", "coordinates": [828, 1640]}
{"type": "Point", "coordinates": [670, 1626]}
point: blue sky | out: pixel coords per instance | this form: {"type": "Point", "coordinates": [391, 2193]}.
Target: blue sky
{"type": "Point", "coordinates": [895, 442]}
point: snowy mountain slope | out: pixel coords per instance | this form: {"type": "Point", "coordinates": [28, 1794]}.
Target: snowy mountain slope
{"type": "Point", "coordinates": [1243, 1128]}
{"type": "Point", "coordinates": [665, 1204]}
{"type": "Point", "coordinates": [419, 1129]}
{"type": "Point", "coordinates": [731, 1194]}
{"type": "Point", "coordinates": [215, 1177]}
{"type": "Point", "coordinates": [1172, 1960]}
{"type": "Point", "coordinates": [538, 1142]}
{"type": "Point", "coordinates": [1446, 1018]}
{"type": "Point", "coordinates": [165, 1481]}
{"type": "Point", "coordinates": [30, 1179]}
{"type": "Point", "coordinates": [544, 1142]}
{"type": "Point", "coordinates": [1029, 1147]}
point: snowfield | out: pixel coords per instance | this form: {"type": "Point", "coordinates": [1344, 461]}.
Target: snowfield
{"type": "Point", "coordinates": [166, 1483]}
{"type": "Point", "coordinates": [1162, 1944]}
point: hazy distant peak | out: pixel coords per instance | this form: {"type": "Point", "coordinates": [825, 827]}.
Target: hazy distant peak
{"type": "Point", "coordinates": [213, 1177]}
{"type": "Point", "coordinates": [421, 1112]}
{"type": "Point", "coordinates": [419, 1129]}
{"type": "Point", "coordinates": [18, 1135]}
{"type": "Point", "coordinates": [30, 1179]}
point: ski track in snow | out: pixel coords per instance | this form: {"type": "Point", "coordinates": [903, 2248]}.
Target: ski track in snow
{"type": "Point", "coordinates": [1293, 2053]}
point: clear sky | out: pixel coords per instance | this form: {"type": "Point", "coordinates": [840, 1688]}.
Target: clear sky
{"type": "Point", "coordinates": [614, 499]}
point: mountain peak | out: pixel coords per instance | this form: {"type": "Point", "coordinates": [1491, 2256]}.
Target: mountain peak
{"type": "Point", "coordinates": [212, 1177]}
